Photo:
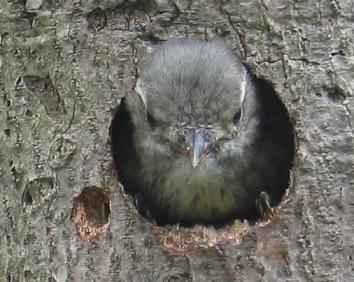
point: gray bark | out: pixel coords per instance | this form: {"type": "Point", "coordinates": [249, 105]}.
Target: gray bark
{"type": "Point", "coordinates": [64, 67]}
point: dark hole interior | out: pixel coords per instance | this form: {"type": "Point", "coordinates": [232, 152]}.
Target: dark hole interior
{"type": "Point", "coordinates": [91, 209]}
{"type": "Point", "coordinates": [274, 119]}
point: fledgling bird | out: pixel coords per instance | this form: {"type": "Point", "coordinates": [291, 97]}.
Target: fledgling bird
{"type": "Point", "coordinates": [201, 140]}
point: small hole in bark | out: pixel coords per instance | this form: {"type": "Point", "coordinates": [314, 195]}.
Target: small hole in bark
{"type": "Point", "coordinates": [90, 212]}
{"type": "Point", "coordinates": [338, 53]}
{"type": "Point", "coordinates": [336, 95]}
{"type": "Point", "coordinates": [149, 38]}
{"type": "Point", "coordinates": [7, 132]}
{"type": "Point", "coordinates": [29, 113]}
{"type": "Point", "coordinates": [27, 197]}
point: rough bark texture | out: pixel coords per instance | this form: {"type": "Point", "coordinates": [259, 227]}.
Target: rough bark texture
{"type": "Point", "coordinates": [64, 67]}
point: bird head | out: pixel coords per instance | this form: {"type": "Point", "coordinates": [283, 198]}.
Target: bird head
{"type": "Point", "coordinates": [190, 98]}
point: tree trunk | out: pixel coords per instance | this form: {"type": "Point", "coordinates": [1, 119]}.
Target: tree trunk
{"type": "Point", "coordinates": [64, 67]}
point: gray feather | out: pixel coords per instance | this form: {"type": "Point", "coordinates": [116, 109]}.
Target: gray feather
{"type": "Point", "coordinates": [198, 81]}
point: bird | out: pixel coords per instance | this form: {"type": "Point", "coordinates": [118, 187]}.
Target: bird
{"type": "Point", "coordinates": [201, 139]}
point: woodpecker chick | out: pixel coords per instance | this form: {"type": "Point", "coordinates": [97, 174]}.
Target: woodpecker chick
{"type": "Point", "coordinates": [208, 142]}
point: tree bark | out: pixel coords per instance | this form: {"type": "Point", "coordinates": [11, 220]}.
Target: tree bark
{"type": "Point", "coordinates": [64, 67]}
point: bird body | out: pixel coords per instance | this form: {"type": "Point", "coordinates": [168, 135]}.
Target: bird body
{"type": "Point", "coordinates": [201, 141]}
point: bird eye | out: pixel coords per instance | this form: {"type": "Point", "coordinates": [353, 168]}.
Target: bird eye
{"type": "Point", "coordinates": [237, 117]}
{"type": "Point", "coordinates": [151, 121]}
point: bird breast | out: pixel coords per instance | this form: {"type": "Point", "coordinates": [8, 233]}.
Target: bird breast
{"type": "Point", "coordinates": [205, 192]}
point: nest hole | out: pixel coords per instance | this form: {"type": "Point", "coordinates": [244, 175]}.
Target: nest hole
{"type": "Point", "coordinates": [90, 212]}
{"type": "Point", "coordinates": [275, 118]}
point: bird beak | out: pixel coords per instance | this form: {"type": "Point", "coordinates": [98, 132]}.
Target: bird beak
{"type": "Point", "coordinates": [198, 144]}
